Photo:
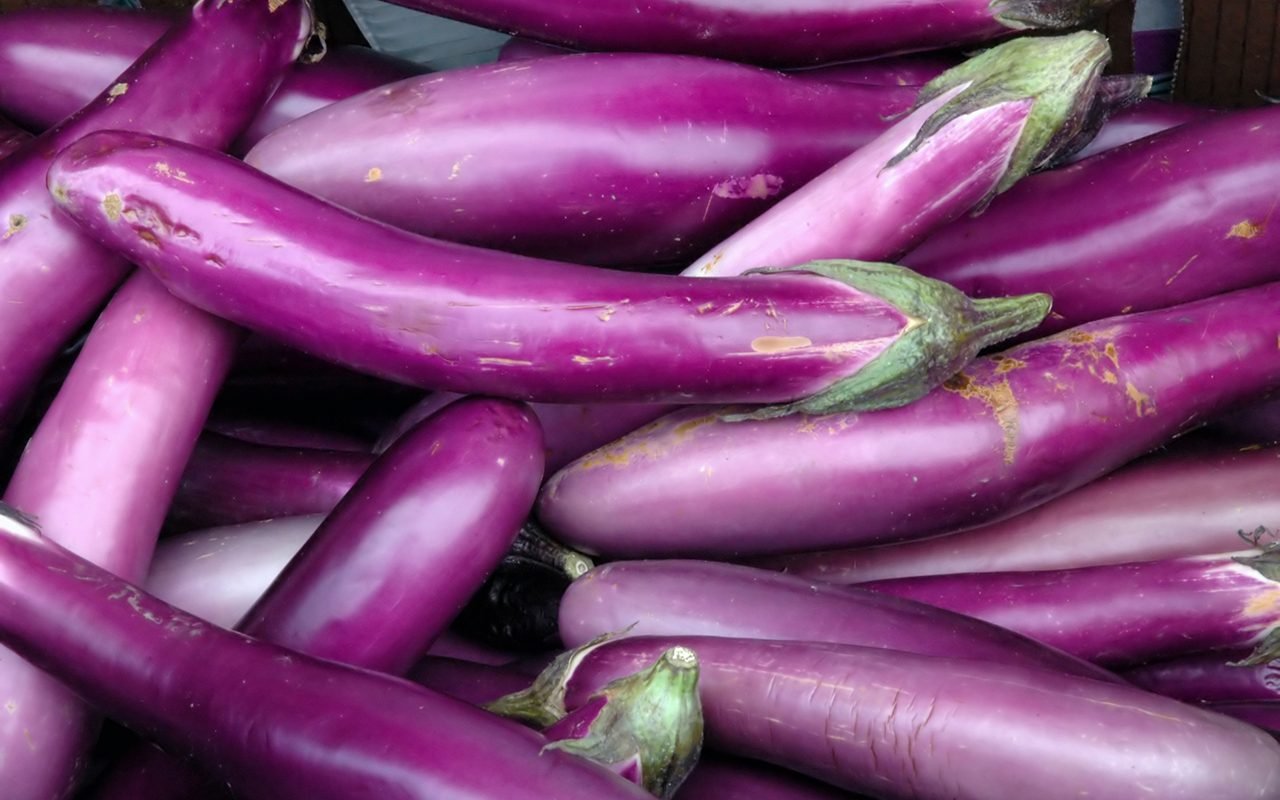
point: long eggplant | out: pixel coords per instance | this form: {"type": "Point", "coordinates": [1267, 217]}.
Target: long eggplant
{"type": "Point", "coordinates": [773, 32]}
{"type": "Point", "coordinates": [446, 502]}
{"type": "Point", "coordinates": [1257, 424]}
{"type": "Point", "coordinates": [58, 59]}
{"type": "Point", "coordinates": [12, 138]}
{"type": "Point", "coordinates": [902, 725]}
{"type": "Point", "coordinates": [1215, 677]}
{"type": "Point", "coordinates": [1184, 501]}
{"type": "Point", "coordinates": [1123, 614]}
{"type": "Point", "coordinates": [448, 316]}
{"type": "Point", "coordinates": [300, 434]}
{"type": "Point", "coordinates": [697, 598]}
{"type": "Point", "coordinates": [248, 710]}
{"type": "Point", "coordinates": [1008, 433]}
{"type": "Point", "coordinates": [1194, 220]}
{"type": "Point", "coordinates": [99, 473]}
{"type": "Point", "coordinates": [616, 160]}
{"type": "Point", "coordinates": [1261, 713]}
{"type": "Point", "coordinates": [202, 81]}
{"type": "Point", "coordinates": [1146, 118]}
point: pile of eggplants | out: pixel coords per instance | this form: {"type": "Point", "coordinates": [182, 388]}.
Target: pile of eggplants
{"type": "Point", "coordinates": [710, 401]}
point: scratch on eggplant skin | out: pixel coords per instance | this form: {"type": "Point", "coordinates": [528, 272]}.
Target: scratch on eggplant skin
{"type": "Point", "coordinates": [16, 223]}
{"type": "Point", "coordinates": [585, 360]}
{"type": "Point", "coordinates": [1000, 399]}
{"type": "Point", "coordinates": [164, 169]}
{"type": "Point", "coordinates": [1245, 229]}
{"type": "Point", "coordinates": [112, 206]}
{"type": "Point", "coordinates": [1183, 269]}
{"type": "Point", "coordinates": [779, 344]}
{"type": "Point", "coordinates": [1006, 364]}
{"type": "Point", "coordinates": [503, 362]}
{"type": "Point", "coordinates": [1141, 401]}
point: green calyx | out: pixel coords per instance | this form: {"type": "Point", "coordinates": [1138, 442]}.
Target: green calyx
{"type": "Point", "coordinates": [945, 330]}
{"type": "Point", "coordinates": [542, 704]}
{"type": "Point", "coordinates": [1047, 14]}
{"type": "Point", "coordinates": [1059, 75]}
{"type": "Point", "coordinates": [1266, 564]}
{"type": "Point", "coordinates": [652, 719]}
{"type": "Point", "coordinates": [534, 543]}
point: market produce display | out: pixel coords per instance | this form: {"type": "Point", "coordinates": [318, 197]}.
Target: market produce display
{"type": "Point", "coordinates": [708, 400]}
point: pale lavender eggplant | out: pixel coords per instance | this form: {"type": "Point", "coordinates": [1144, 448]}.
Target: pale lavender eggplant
{"type": "Point", "coordinates": [1184, 501]}
{"type": "Point", "coordinates": [12, 138]}
{"type": "Point", "coordinates": [1146, 118]}
{"type": "Point", "coordinates": [99, 473]}
{"type": "Point", "coordinates": [1008, 433]}
{"type": "Point", "coordinates": [1257, 424]}
{"type": "Point", "coordinates": [1122, 614]}
{"type": "Point", "coordinates": [448, 316]}
{"type": "Point", "coordinates": [58, 59]}
{"type": "Point", "coordinates": [773, 32]}
{"type": "Point", "coordinates": [229, 481]}
{"type": "Point", "coordinates": [202, 81]}
{"type": "Point", "coordinates": [445, 501]}
{"type": "Point", "coordinates": [608, 159]}
{"type": "Point", "coordinates": [703, 598]}
{"type": "Point", "coordinates": [903, 725]}
{"type": "Point", "coordinates": [1215, 677]}
{"type": "Point", "coordinates": [216, 697]}
{"type": "Point", "coordinates": [218, 574]}
{"type": "Point", "coordinates": [1193, 221]}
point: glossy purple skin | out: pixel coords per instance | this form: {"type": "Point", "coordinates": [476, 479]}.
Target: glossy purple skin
{"type": "Point", "coordinates": [12, 138]}
{"type": "Point", "coordinates": [99, 473]}
{"type": "Point", "coordinates": [902, 725]}
{"type": "Point", "coordinates": [1187, 501]}
{"type": "Point", "coordinates": [1209, 677]}
{"type": "Point", "coordinates": [441, 315]}
{"type": "Point", "coordinates": [609, 159]}
{"type": "Point", "coordinates": [1263, 714]}
{"type": "Point", "coordinates": [773, 32]}
{"type": "Point", "coordinates": [704, 598]}
{"type": "Point", "coordinates": [229, 481]}
{"type": "Point", "coordinates": [1146, 118]}
{"type": "Point", "coordinates": [53, 277]}
{"type": "Point", "coordinates": [1007, 434]}
{"type": "Point", "coordinates": [267, 720]}
{"type": "Point", "coordinates": [58, 59]}
{"type": "Point", "coordinates": [477, 684]}
{"type": "Point", "coordinates": [446, 501]}
{"type": "Point", "coordinates": [1256, 424]}
{"type": "Point", "coordinates": [1116, 615]}
{"type": "Point", "coordinates": [1168, 219]}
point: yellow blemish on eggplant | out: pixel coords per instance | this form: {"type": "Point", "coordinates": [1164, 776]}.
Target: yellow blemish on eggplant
{"type": "Point", "coordinates": [705, 307]}
{"type": "Point", "coordinates": [1006, 364]}
{"type": "Point", "coordinates": [16, 223]}
{"type": "Point", "coordinates": [731, 308]}
{"type": "Point", "coordinates": [1109, 377]}
{"type": "Point", "coordinates": [373, 175]}
{"type": "Point", "coordinates": [1000, 399]}
{"type": "Point", "coordinates": [589, 360]}
{"type": "Point", "coordinates": [504, 362]}
{"type": "Point", "coordinates": [1112, 353]}
{"type": "Point", "coordinates": [167, 171]}
{"type": "Point", "coordinates": [275, 5]}
{"type": "Point", "coordinates": [779, 344]}
{"type": "Point", "coordinates": [685, 428]}
{"type": "Point", "coordinates": [148, 237]}
{"type": "Point", "coordinates": [1245, 230]}
{"type": "Point", "coordinates": [1264, 605]}
{"type": "Point", "coordinates": [112, 205]}
{"type": "Point", "coordinates": [607, 314]}
{"type": "Point", "coordinates": [116, 91]}
{"type": "Point", "coordinates": [1141, 402]}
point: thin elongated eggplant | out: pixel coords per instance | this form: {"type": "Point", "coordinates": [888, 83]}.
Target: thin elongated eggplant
{"type": "Point", "coordinates": [1215, 677]}
{"type": "Point", "coordinates": [1189, 500]}
{"type": "Point", "coordinates": [703, 598]}
{"type": "Point", "coordinates": [1008, 433]}
{"type": "Point", "coordinates": [446, 500]}
{"type": "Point", "coordinates": [448, 316]}
{"type": "Point", "coordinates": [903, 725]}
{"type": "Point", "coordinates": [496, 155]}
{"type": "Point", "coordinates": [1123, 614]}
{"type": "Point", "coordinates": [52, 276]}
{"type": "Point", "coordinates": [1262, 713]}
{"type": "Point", "coordinates": [1193, 221]}
{"type": "Point", "coordinates": [772, 32]}
{"type": "Point", "coordinates": [1146, 118]}
{"type": "Point", "coordinates": [215, 696]}
{"type": "Point", "coordinates": [58, 59]}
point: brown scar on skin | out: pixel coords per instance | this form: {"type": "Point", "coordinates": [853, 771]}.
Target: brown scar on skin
{"type": "Point", "coordinates": [1002, 402]}
{"type": "Point", "coordinates": [116, 91]}
{"type": "Point", "coordinates": [373, 175]}
{"type": "Point", "coordinates": [1245, 229]}
{"type": "Point", "coordinates": [16, 223]}
{"type": "Point", "coordinates": [779, 344]}
{"type": "Point", "coordinates": [1182, 269]}
{"type": "Point", "coordinates": [1006, 364]}
{"type": "Point", "coordinates": [685, 428]}
{"type": "Point", "coordinates": [112, 205]}
{"type": "Point", "coordinates": [1140, 399]}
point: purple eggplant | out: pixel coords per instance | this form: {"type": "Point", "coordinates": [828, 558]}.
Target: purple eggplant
{"type": "Point", "coordinates": [298, 435]}
{"type": "Point", "coordinates": [1194, 220]}
{"type": "Point", "coordinates": [247, 710]}
{"type": "Point", "coordinates": [477, 684]}
{"type": "Point", "coordinates": [447, 500]}
{"type": "Point", "coordinates": [1214, 677]}
{"type": "Point", "coordinates": [697, 598]}
{"type": "Point", "coordinates": [617, 160]}
{"type": "Point", "coordinates": [448, 316]}
{"type": "Point", "coordinates": [1146, 118]}
{"type": "Point", "coordinates": [1261, 713]}
{"type": "Point", "coordinates": [99, 473]}
{"type": "Point", "coordinates": [12, 138]}
{"type": "Point", "coordinates": [1186, 501]}
{"type": "Point", "coordinates": [903, 725]}
{"type": "Point", "coordinates": [1123, 614]}
{"type": "Point", "coordinates": [915, 69]}
{"type": "Point", "coordinates": [771, 32]}
{"type": "Point", "coordinates": [58, 59]}
{"type": "Point", "coordinates": [1008, 433]}
{"type": "Point", "coordinates": [52, 277]}
{"type": "Point", "coordinates": [1257, 424]}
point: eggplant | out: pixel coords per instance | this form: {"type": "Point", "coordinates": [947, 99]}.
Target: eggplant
{"type": "Point", "coordinates": [296, 435]}
{"type": "Point", "coordinates": [1214, 677]}
{"type": "Point", "coordinates": [1263, 714]}
{"type": "Point", "coordinates": [653, 160]}
{"type": "Point", "coordinates": [446, 501]}
{"type": "Point", "coordinates": [1123, 614]}
{"type": "Point", "coordinates": [99, 473]}
{"type": "Point", "coordinates": [903, 725]}
{"type": "Point", "coordinates": [216, 697]}
{"type": "Point", "coordinates": [58, 59]}
{"type": "Point", "coordinates": [12, 138]}
{"type": "Point", "coordinates": [1257, 424]}
{"type": "Point", "coordinates": [517, 607]}
{"type": "Point", "coordinates": [477, 684]}
{"type": "Point", "coordinates": [448, 316]}
{"type": "Point", "coordinates": [1193, 221]}
{"type": "Point", "coordinates": [229, 481]}
{"type": "Point", "coordinates": [53, 277]}
{"type": "Point", "coordinates": [1193, 499]}
{"type": "Point", "coordinates": [772, 32]}
{"type": "Point", "coordinates": [915, 69]}
{"type": "Point", "coordinates": [697, 598]}
{"type": "Point", "coordinates": [1145, 118]}
{"type": "Point", "coordinates": [1010, 432]}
